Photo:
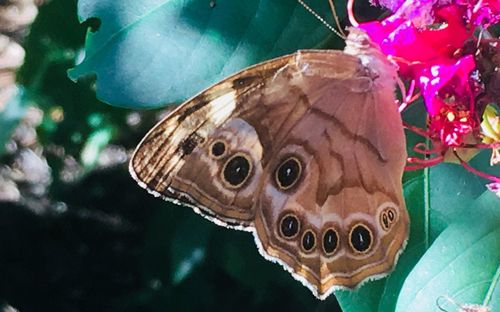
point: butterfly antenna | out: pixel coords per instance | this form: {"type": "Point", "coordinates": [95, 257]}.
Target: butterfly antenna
{"type": "Point", "coordinates": [336, 18]}
{"type": "Point", "coordinates": [322, 20]}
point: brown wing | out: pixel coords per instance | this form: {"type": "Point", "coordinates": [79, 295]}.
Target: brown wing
{"type": "Point", "coordinates": [178, 159]}
{"type": "Point", "coordinates": [305, 149]}
{"type": "Point", "coordinates": [331, 208]}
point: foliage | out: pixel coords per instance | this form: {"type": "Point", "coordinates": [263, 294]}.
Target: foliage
{"type": "Point", "coordinates": [99, 242]}
{"type": "Point", "coordinates": [178, 41]}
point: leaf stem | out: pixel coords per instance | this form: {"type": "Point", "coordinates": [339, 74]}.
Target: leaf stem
{"type": "Point", "coordinates": [492, 287]}
{"type": "Point", "coordinates": [427, 206]}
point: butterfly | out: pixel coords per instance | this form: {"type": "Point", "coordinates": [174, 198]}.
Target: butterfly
{"type": "Point", "coordinates": [306, 151]}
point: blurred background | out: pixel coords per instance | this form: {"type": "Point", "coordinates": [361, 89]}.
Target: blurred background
{"type": "Point", "coordinates": [76, 232]}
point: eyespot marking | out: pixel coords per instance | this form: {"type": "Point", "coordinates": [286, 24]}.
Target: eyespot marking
{"type": "Point", "coordinates": [236, 170]}
{"type": "Point", "coordinates": [385, 222]}
{"type": "Point", "coordinates": [218, 149]}
{"type": "Point", "coordinates": [330, 241]}
{"type": "Point", "coordinates": [308, 241]}
{"type": "Point", "coordinates": [360, 238]}
{"type": "Point", "coordinates": [391, 214]}
{"type": "Point", "coordinates": [288, 173]}
{"type": "Point", "coordinates": [289, 226]}
{"type": "Point", "coordinates": [387, 218]}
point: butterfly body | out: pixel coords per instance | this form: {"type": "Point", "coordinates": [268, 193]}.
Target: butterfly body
{"type": "Point", "coordinates": [306, 151]}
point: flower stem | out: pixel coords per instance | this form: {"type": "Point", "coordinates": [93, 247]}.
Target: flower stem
{"type": "Point", "coordinates": [475, 171]}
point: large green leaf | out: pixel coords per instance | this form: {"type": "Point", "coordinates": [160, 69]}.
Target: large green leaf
{"type": "Point", "coordinates": [154, 52]}
{"type": "Point", "coordinates": [463, 263]}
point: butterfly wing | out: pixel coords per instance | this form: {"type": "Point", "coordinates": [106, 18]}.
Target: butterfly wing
{"type": "Point", "coordinates": [331, 208]}
{"type": "Point", "coordinates": [302, 149]}
{"type": "Point", "coordinates": [187, 156]}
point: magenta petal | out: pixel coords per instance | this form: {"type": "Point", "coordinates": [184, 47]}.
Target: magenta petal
{"type": "Point", "coordinates": [379, 31]}
{"type": "Point", "coordinates": [412, 46]}
{"type": "Point", "coordinates": [429, 40]}
{"type": "Point", "coordinates": [483, 12]}
{"type": "Point", "coordinates": [392, 5]}
{"type": "Point", "coordinates": [432, 79]}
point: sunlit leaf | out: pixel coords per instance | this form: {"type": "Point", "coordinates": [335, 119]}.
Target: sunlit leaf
{"type": "Point", "coordinates": [155, 52]}
{"type": "Point", "coordinates": [463, 262]}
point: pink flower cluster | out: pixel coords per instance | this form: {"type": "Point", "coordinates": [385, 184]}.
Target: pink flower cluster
{"type": "Point", "coordinates": [429, 40]}
{"type": "Point", "coordinates": [435, 43]}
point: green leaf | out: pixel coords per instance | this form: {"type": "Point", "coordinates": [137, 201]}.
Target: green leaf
{"type": "Point", "coordinates": [463, 262]}
{"type": "Point", "coordinates": [436, 198]}
{"type": "Point", "coordinates": [154, 52]}
{"type": "Point", "coordinates": [11, 115]}
{"type": "Point", "coordinates": [366, 298]}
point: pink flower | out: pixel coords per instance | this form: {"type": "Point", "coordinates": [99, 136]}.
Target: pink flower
{"type": "Point", "coordinates": [428, 40]}
{"type": "Point", "coordinates": [483, 12]}
{"type": "Point", "coordinates": [434, 44]}
{"type": "Point", "coordinates": [413, 45]}
{"type": "Point", "coordinates": [443, 82]}
{"type": "Point", "coordinates": [451, 126]}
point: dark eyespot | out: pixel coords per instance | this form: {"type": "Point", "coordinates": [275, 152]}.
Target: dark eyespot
{"type": "Point", "coordinates": [236, 170]}
{"type": "Point", "coordinates": [360, 238]}
{"type": "Point", "coordinates": [385, 221]}
{"type": "Point", "coordinates": [308, 240]}
{"type": "Point", "coordinates": [330, 241]}
{"type": "Point", "coordinates": [391, 215]}
{"type": "Point", "coordinates": [289, 226]}
{"type": "Point", "coordinates": [388, 218]}
{"type": "Point", "coordinates": [218, 148]}
{"type": "Point", "coordinates": [288, 173]}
